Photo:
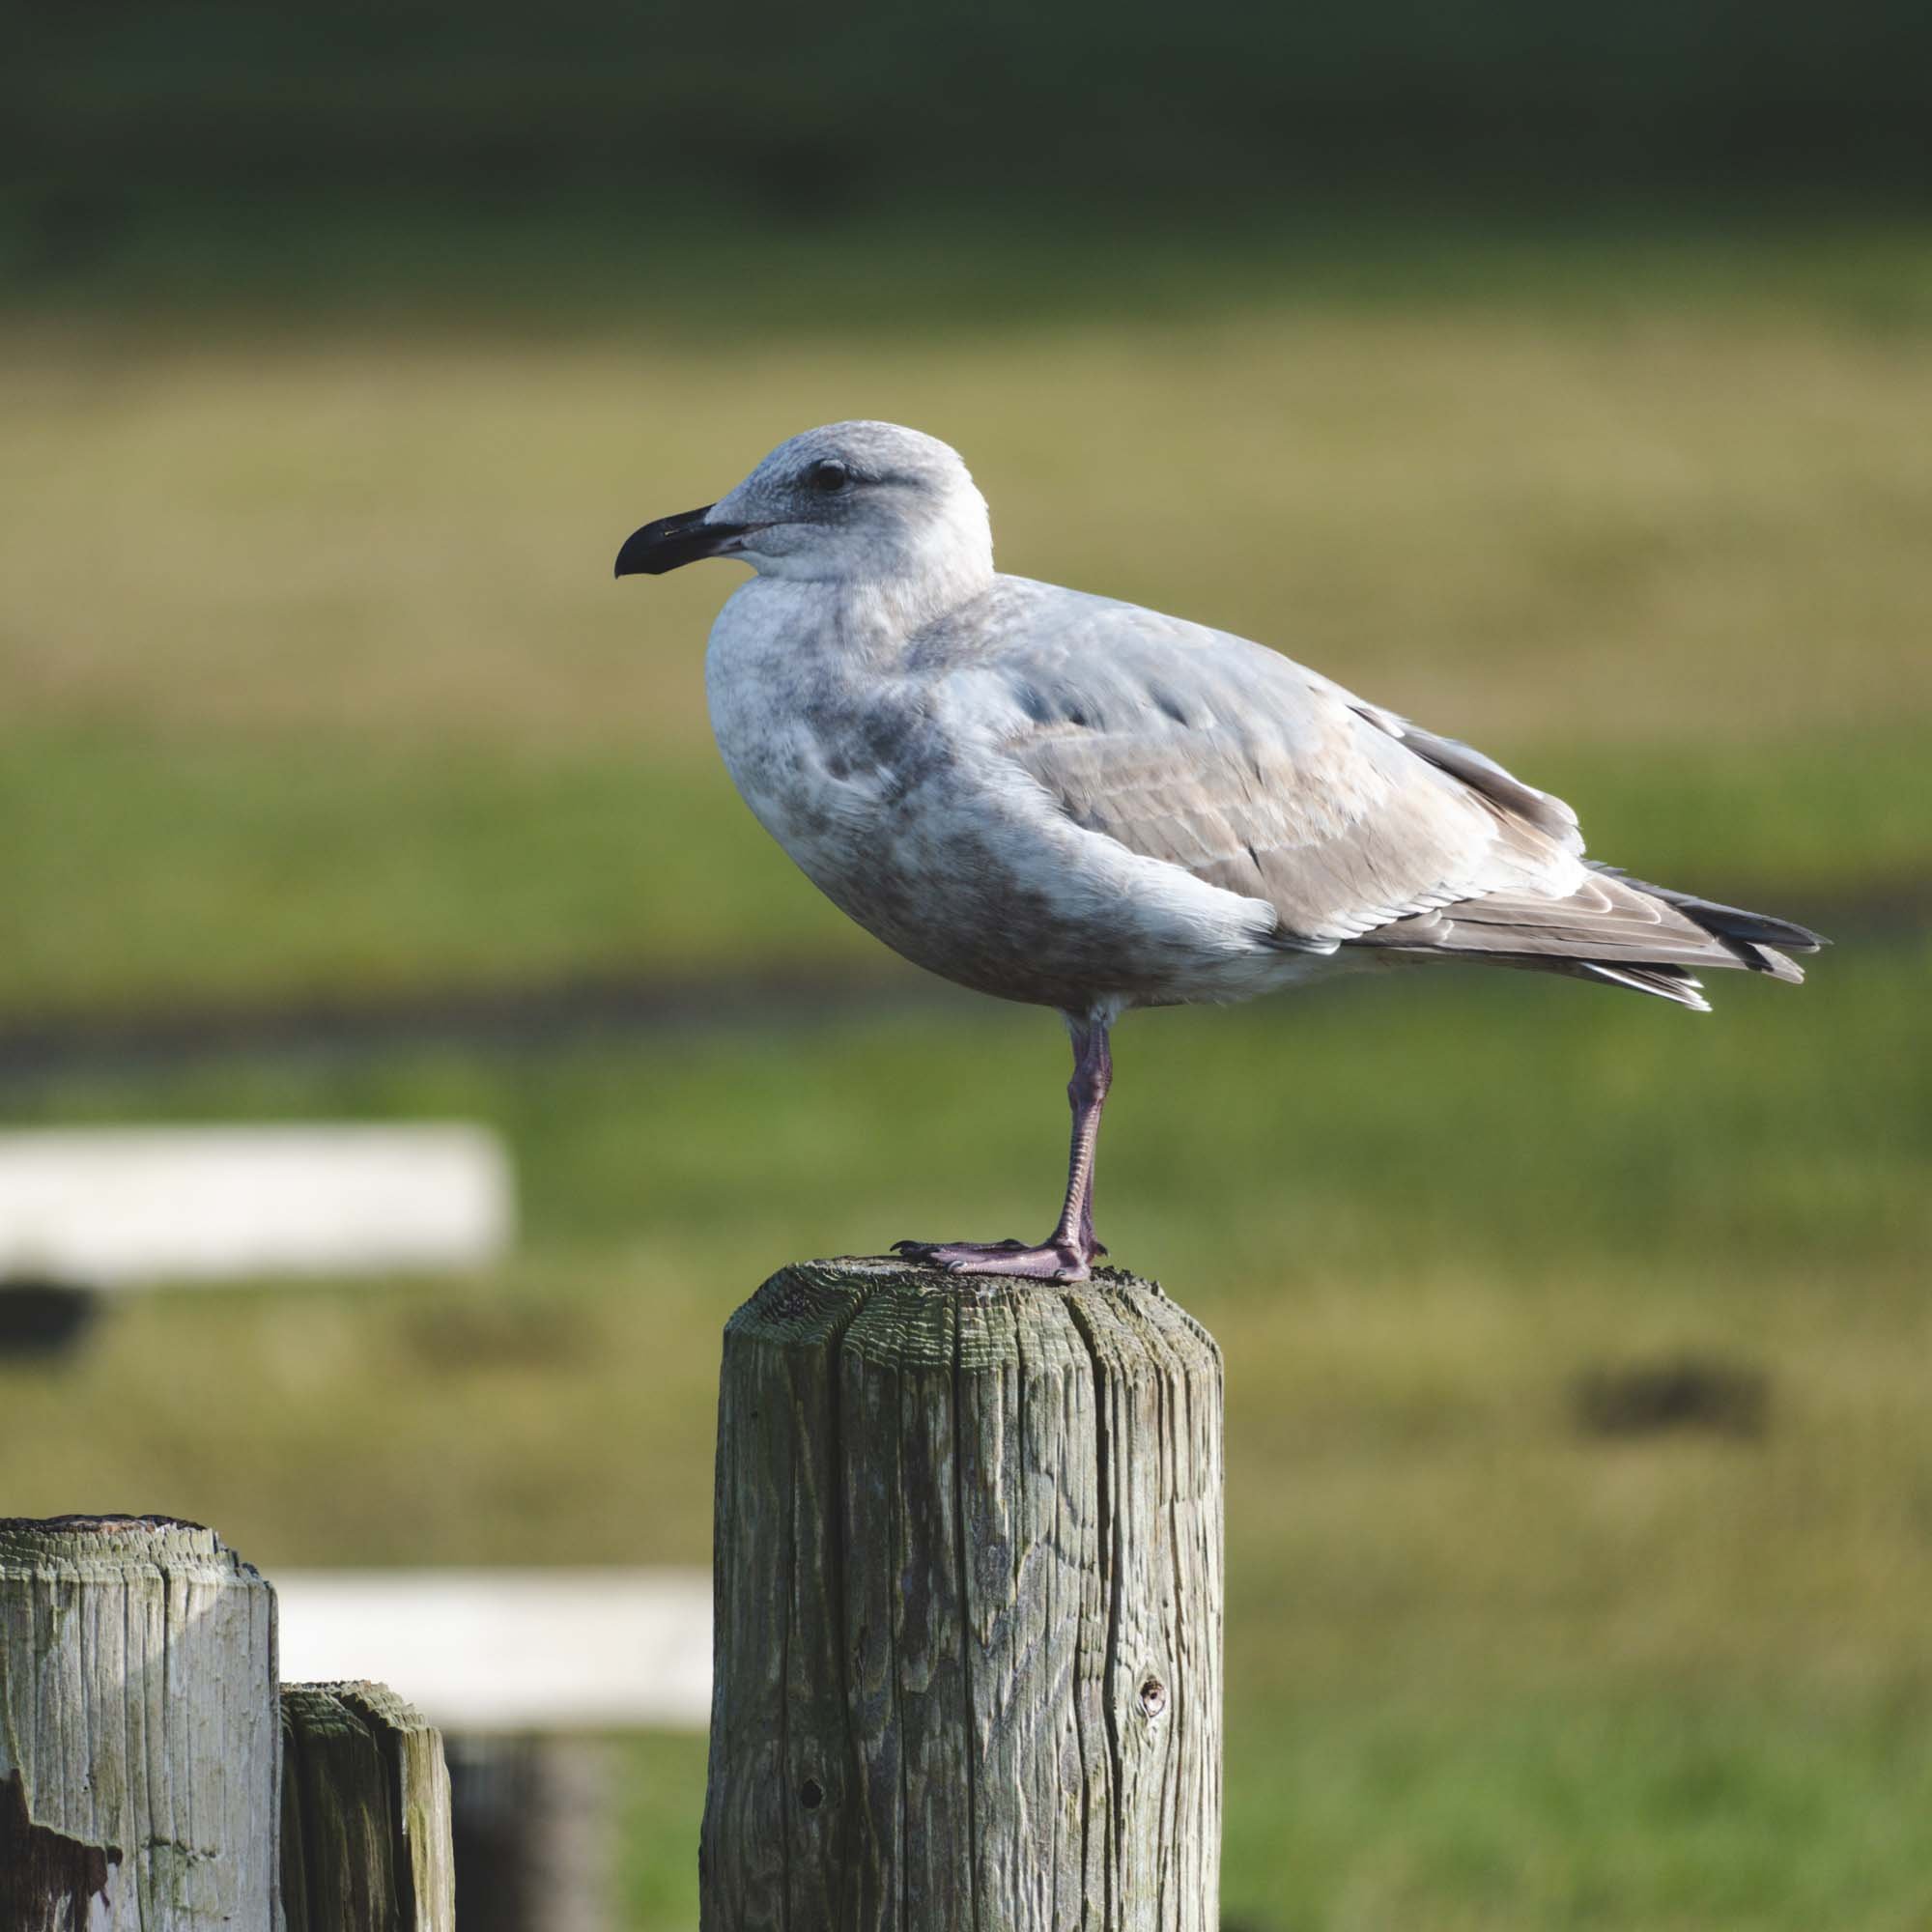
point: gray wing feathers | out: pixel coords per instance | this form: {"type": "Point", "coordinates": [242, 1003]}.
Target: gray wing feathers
{"type": "Point", "coordinates": [1212, 753]}
{"type": "Point", "coordinates": [1608, 922]}
{"type": "Point", "coordinates": [1549, 815]}
{"type": "Point", "coordinates": [1255, 820]}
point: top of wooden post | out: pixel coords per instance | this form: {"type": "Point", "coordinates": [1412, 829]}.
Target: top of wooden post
{"type": "Point", "coordinates": [116, 1542]}
{"type": "Point", "coordinates": [897, 1313]}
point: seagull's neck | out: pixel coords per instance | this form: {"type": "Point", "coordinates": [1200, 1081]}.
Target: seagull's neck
{"type": "Point", "coordinates": [938, 567]}
{"type": "Point", "coordinates": [896, 607]}
{"type": "Point", "coordinates": [859, 607]}
{"type": "Point", "coordinates": [867, 618]}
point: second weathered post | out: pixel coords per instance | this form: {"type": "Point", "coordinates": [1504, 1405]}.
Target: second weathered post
{"type": "Point", "coordinates": [365, 1815]}
{"type": "Point", "coordinates": [968, 1608]}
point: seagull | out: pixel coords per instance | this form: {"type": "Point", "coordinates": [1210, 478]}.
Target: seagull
{"type": "Point", "coordinates": [1077, 803]}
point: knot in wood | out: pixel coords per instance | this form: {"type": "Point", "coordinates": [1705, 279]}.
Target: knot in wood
{"type": "Point", "coordinates": [1153, 1697]}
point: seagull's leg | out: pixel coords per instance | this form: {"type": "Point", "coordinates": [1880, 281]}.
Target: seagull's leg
{"type": "Point", "coordinates": [1086, 1095]}
{"type": "Point", "coordinates": [1069, 1252]}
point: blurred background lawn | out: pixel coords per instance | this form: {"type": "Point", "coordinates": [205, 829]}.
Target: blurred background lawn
{"type": "Point", "coordinates": [1567, 385]}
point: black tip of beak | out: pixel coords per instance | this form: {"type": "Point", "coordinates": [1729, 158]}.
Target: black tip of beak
{"type": "Point", "coordinates": [670, 541]}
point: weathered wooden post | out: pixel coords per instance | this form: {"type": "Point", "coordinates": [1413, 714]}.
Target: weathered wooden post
{"type": "Point", "coordinates": [155, 1778]}
{"type": "Point", "coordinates": [366, 1842]}
{"type": "Point", "coordinates": [968, 1608]}
{"type": "Point", "coordinates": [139, 1754]}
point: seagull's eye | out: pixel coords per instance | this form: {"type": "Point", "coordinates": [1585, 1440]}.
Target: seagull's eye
{"type": "Point", "coordinates": [828, 476]}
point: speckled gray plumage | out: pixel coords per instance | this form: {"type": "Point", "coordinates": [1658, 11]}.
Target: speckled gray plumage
{"type": "Point", "coordinates": [1062, 798]}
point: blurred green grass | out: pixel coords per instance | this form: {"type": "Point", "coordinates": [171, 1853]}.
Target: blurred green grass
{"type": "Point", "coordinates": [318, 678]}
{"type": "Point", "coordinates": [319, 688]}
{"type": "Point", "coordinates": [1490, 1670]}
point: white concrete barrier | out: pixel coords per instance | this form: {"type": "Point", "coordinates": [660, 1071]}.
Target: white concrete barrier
{"type": "Point", "coordinates": [511, 1650]}
{"type": "Point", "coordinates": [124, 1207]}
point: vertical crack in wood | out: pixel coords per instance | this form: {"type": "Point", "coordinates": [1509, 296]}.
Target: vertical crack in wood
{"type": "Point", "coordinates": [1081, 1729]}
{"type": "Point", "coordinates": [785, 1805]}
{"type": "Point", "coordinates": [1016, 1569]}
{"type": "Point", "coordinates": [898, 1656]}
{"type": "Point", "coordinates": [170, 1826]}
{"type": "Point", "coordinates": [1110, 1580]}
{"type": "Point", "coordinates": [964, 1587]}
{"type": "Point", "coordinates": [1171, 1385]}
{"type": "Point", "coordinates": [129, 1730]}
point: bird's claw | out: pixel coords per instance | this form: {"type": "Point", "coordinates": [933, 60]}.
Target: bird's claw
{"type": "Point", "coordinates": [1047, 1263]}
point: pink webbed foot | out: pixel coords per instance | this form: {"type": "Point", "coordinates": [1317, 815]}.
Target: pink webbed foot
{"type": "Point", "coordinates": [1055, 1261]}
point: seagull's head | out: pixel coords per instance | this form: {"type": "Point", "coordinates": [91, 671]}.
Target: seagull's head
{"type": "Point", "coordinates": [854, 501]}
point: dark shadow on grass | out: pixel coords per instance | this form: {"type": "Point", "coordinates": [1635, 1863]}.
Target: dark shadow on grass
{"type": "Point", "coordinates": [543, 1014]}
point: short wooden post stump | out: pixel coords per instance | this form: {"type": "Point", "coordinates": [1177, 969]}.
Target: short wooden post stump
{"type": "Point", "coordinates": [366, 1842]}
{"type": "Point", "coordinates": [968, 1608]}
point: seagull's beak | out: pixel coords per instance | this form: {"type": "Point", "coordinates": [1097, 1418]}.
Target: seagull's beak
{"type": "Point", "coordinates": [670, 541]}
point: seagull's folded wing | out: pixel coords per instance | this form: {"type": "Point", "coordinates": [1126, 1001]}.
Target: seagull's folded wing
{"type": "Point", "coordinates": [1206, 751]}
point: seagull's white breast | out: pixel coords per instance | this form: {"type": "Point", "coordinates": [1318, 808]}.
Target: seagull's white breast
{"type": "Point", "coordinates": [902, 807]}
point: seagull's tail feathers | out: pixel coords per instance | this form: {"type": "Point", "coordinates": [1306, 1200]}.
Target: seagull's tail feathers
{"type": "Point", "coordinates": [1615, 930]}
{"type": "Point", "coordinates": [1755, 937]}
